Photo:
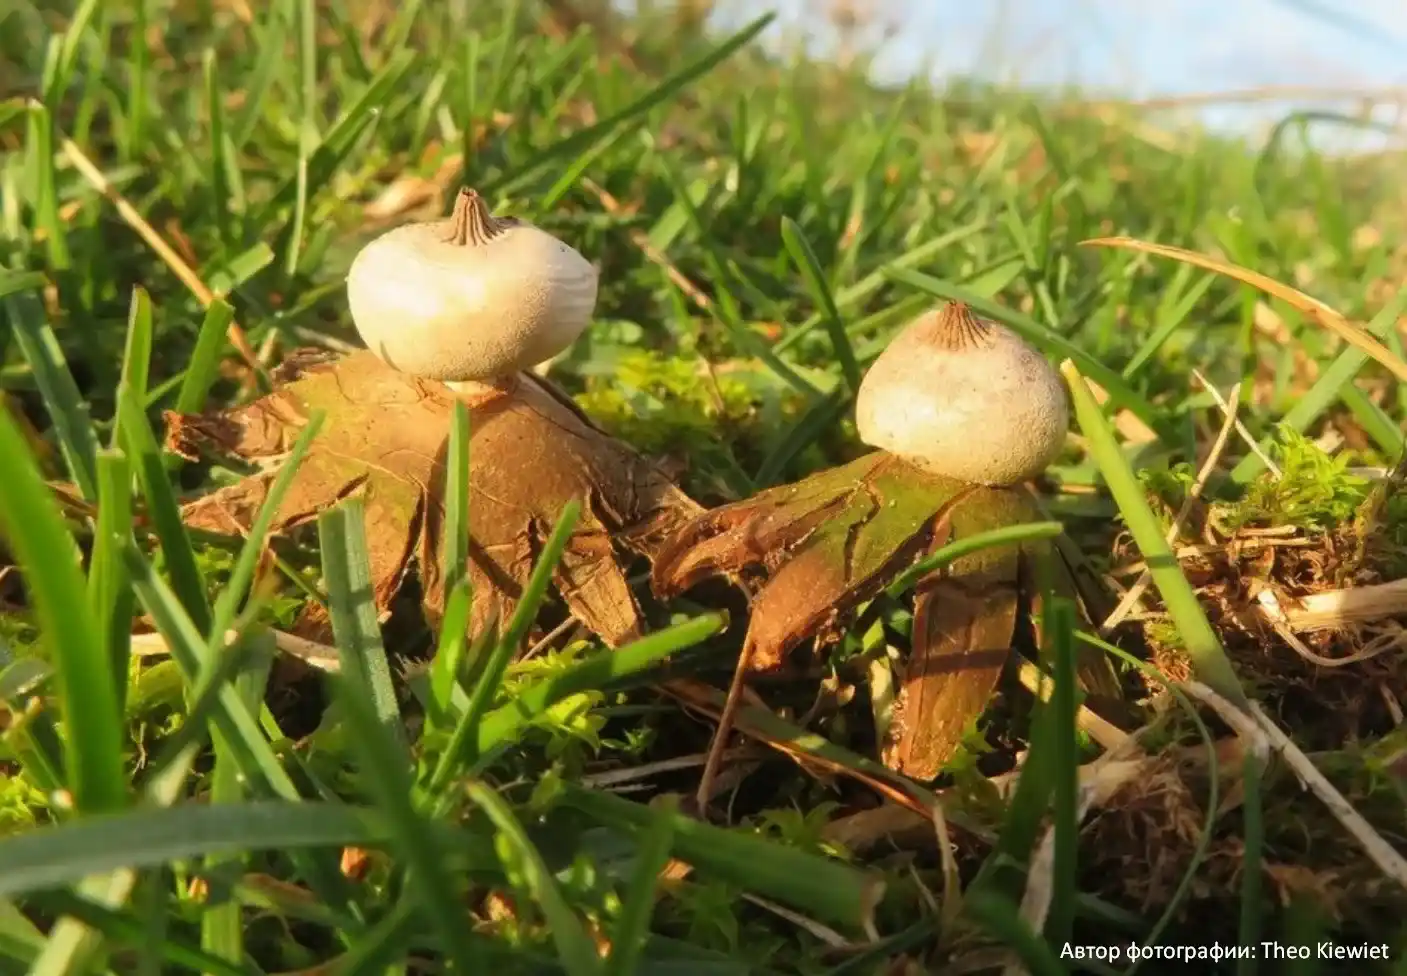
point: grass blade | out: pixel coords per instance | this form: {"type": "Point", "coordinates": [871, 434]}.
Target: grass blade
{"type": "Point", "coordinates": [242, 575]}
{"type": "Point", "coordinates": [1203, 646]}
{"type": "Point", "coordinates": [56, 856]}
{"type": "Point", "coordinates": [39, 150]}
{"type": "Point", "coordinates": [1336, 377]}
{"type": "Point", "coordinates": [632, 926]}
{"type": "Point", "coordinates": [347, 569]}
{"type": "Point", "coordinates": [204, 366]}
{"type": "Point", "coordinates": [456, 500]}
{"type": "Point", "coordinates": [18, 282]}
{"type": "Point", "coordinates": [810, 268]}
{"type": "Point", "coordinates": [1313, 309]}
{"type": "Point", "coordinates": [183, 572]}
{"type": "Point", "coordinates": [575, 950]}
{"type": "Point", "coordinates": [194, 655]}
{"type": "Point", "coordinates": [335, 145]}
{"type": "Point", "coordinates": [1060, 753]}
{"type": "Point", "coordinates": [256, 83]}
{"type": "Point", "coordinates": [67, 411]}
{"type": "Point", "coordinates": [109, 590]}
{"type": "Point", "coordinates": [222, 924]}
{"type": "Point", "coordinates": [463, 746]}
{"type": "Point", "coordinates": [579, 142]}
{"type": "Point", "coordinates": [204, 699]}
{"type": "Point", "coordinates": [35, 533]}
{"type": "Point", "coordinates": [215, 119]}
{"type": "Point", "coordinates": [448, 664]}
{"type": "Point", "coordinates": [136, 357]}
{"type": "Point", "coordinates": [953, 551]}
{"type": "Point", "coordinates": [62, 68]}
{"type": "Point", "coordinates": [999, 916]}
{"type": "Point", "coordinates": [431, 884]}
{"type": "Point", "coordinates": [504, 724]}
{"type": "Point", "coordinates": [121, 930]}
{"type": "Point", "coordinates": [818, 886]}
{"type": "Point", "coordinates": [873, 282]}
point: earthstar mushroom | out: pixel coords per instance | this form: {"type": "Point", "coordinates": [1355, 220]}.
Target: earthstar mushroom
{"type": "Point", "coordinates": [454, 312]}
{"type": "Point", "coordinates": [470, 300]}
{"type": "Point", "coordinates": [965, 398]}
{"type": "Point", "coordinates": [961, 410]}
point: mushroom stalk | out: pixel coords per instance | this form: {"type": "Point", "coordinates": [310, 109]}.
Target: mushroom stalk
{"type": "Point", "coordinates": [475, 393]}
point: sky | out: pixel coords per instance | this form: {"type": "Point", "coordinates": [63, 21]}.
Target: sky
{"type": "Point", "coordinates": [1131, 48]}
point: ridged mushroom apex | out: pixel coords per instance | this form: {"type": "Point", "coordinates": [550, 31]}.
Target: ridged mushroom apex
{"type": "Point", "coordinates": [473, 298]}
{"type": "Point", "coordinates": [964, 397]}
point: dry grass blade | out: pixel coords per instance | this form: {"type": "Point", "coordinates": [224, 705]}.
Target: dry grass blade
{"type": "Point", "coordinates": [182, 270]}
{"type": "Point", "coordinates": [1270, 609]}
{"type": "Point", "coordinates": [315, 655]}
{"type": "Point", "coordinates": [1241, 430]}
{"type": "Point", "coordinates": [952, 878]}
{"type": "Point", "coordinates": [1260, 733]}
{"type": "Point", "coordinates": [1314, 309]}
{"type": "Point", "coordinates": [1140, 586]}
{"type": "Point", "coordinates": [1344, 608]}
{"type": "Point", "coordinates": [822, 933]}
{"type": "Point", "coordinates": [1392, 95]}
{"type": "Point", "coordinates": [1106, 777]}
{"type": "Point", "coordinates": [1106, 733]}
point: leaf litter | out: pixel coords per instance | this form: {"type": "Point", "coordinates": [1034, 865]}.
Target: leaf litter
{"type": "Point", "coordinates": [532, 451]}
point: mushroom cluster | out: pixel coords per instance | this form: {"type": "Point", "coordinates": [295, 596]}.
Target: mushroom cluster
{"type": "Point", "coordinates": [962, 411]}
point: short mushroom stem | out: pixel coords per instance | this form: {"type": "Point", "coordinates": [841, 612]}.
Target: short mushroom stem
{"type": "Point", "coordinates": [475, 393]}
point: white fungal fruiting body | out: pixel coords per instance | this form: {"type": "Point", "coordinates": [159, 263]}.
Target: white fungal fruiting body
{"type": "Point", "coordinates": [473, 298]}
{"type": "Point", "coordinates": [965, 398]}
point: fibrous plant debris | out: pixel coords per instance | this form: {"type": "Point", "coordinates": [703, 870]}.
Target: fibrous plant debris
{"type": "Point", "coordinates": [1312, 535]}
{"type": "Point", "coordinates": [386, 438]}
{"type": "Point", "coordinates": [813, 551]}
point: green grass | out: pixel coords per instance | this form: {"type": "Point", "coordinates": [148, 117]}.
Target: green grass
{"type": "Point", "coordinates": [776, 220]}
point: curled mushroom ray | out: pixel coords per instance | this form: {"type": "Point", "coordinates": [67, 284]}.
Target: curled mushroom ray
{"type": "Point", "coordinates": [531, 453]}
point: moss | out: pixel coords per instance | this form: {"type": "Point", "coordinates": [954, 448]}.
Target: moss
{"type": "Point", "coordinates": [1314, 492]}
